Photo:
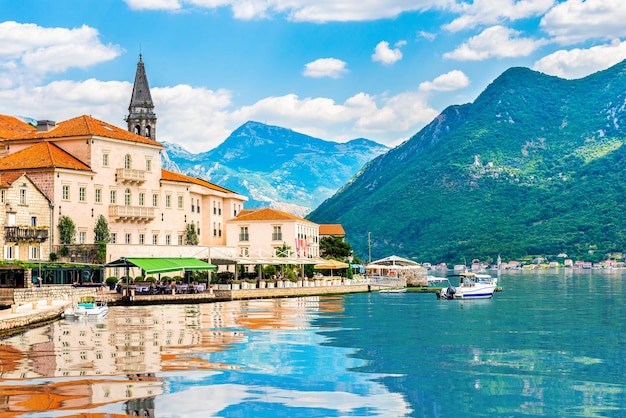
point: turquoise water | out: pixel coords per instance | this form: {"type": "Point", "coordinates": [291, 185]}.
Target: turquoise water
{"type": "Point", "coordinates": [550, 344]}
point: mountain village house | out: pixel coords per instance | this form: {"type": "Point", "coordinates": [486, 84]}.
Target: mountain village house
{"type": "Point", "coordinates": [83, 168]}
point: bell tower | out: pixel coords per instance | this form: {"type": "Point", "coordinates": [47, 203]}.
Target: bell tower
{"type": "Point", "coordinates": [141, 118]}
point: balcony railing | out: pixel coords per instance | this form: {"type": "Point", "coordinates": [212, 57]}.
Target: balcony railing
{"type": "Point", "coordinates": [131, 213]}
{"type": "Point", "coordinates": [25, 234]}
{"type": "Point", "coordinates": [129, 175]}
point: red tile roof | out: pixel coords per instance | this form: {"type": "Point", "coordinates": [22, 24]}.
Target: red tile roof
{"type": "Point", "coordinates": [267, 214]}
{"type": "Point", "coordinates": [41, 155]}
{"type": "Point", "coordinates": [7, 179]}
{"type": "Point", "coordinates": [11, 127]}
{"type": "Point", "coordinates": [332, 229]}
{"type": "Point", "coordinates": [85, 126]}
{"type": "Point", "coordinates": [181, 178]}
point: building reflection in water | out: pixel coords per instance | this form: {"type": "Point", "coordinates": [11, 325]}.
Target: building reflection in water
{"type": "Point", "coordinates": [83, 364]}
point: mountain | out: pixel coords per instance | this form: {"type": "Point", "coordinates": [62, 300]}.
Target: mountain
{"type": "Point", "coordinates": [276, 167]}
{"type": "Point", "coordinates": [535, 166]}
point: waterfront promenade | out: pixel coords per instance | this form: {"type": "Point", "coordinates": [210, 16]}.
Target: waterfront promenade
{"type": "Point", "coordinates": [37, 311]}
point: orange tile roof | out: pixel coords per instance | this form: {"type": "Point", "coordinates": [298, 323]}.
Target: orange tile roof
{"type": "Point", "coordinates": [41, 155]}
{"type": "Point", "coordinates": [181, 178]}
{"type": "Point", "coordinates": [267, 214]}
{"type": "Point", "coordinates": [332, 229]}
{"type": "Point", "coordinates": [11, 127]}
{"type": "Point", "coordinates": [7, 179]}
{"type": "Point", "coordinates": [86, 126]}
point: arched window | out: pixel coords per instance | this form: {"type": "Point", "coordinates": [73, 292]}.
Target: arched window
{"type": "Point", "coordinates": [148, 133]}
{"type": "Point", "coordinates": [137, 129]}
{"type": "Point", "coordinates": [127, 197]}
{"type": "Point", "coordinates": [127, 161]}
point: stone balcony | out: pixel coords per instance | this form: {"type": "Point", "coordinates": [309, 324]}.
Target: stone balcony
{"type": "Point", "coordinates": [130, 176]}
{"type": "Point", "coordinates": [131, 213]}
{"type": "Point", "coordinates": [25, 234]}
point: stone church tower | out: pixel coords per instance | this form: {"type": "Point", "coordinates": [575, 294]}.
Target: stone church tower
{"type": "Point", "coordinates": [141, 118]}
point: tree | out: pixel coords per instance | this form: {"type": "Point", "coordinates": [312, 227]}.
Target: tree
{"type": "Point", "coordinates": [101, 231]}
{"type": "Point", "coordinates": [67, 230]}
{"type": "Point", "coordinates": [102, 236]}
{"type": "Point", "coordinates": [191, 236]}
{"type": "Point", "coordinates": [335, 247]}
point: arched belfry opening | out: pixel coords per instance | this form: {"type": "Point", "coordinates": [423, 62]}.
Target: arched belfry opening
{"type": "Point", "coordinates": [141, 118]}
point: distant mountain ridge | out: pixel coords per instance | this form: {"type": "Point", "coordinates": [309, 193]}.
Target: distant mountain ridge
{"type": "Point", "coordinates": [276, 167]}
{"type": "Point", "coordinates": [534, 167]}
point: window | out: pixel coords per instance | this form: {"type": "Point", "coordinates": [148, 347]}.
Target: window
{"type": "Point", "coordinates": [113, 238]}
{"type": "Point", "coordinates": [10, 252]}
{"type": "Point", "coordinates": [214, 208]}
{"type": "Point", "coordinates": [127, 197]}
{"type": "Point", "coordinates": [193, 207]}
{"type": "Point", "coordinates": [155, 239]}
{"type": "Point", "coordinates": [113, 196]}
{"type": "Point", "coordinates": [180, 202]}
{"type": "Point", "coordinates": [82, 193]}
{"type": "Point", "coordinates": [81, 237]}
{"type": "Point", "coordinates": [2, 196]}
{"type": "Point", "coordinates": [65, 192]}
{"type": "Point", "coordinates": [33, 221]}
{"type": "Point", "coordinates": [243, 234]}
{"type": "Point", "coordinates": [22, 196]}
{"type": "Point", "coordinates": [155, 200]}
{"type": "Point", "coordinates": [142, 238]}
{"type": "Point", "coordinates": [277, 234]}
{"type": "Point", "coordinates": [105, 160]}
{"type": "Point", "coordinates": [198, 204]}
{"type": "Point", "coordinates": [126, 238]}
{"type": "Point", "coordinates": [11, 218]}
{"type": "Point", "coordinates": [168, 201]}
{"type": "Point", "coordinates": [244, 252]}
{"type": "Point", "coordinates": [128, 163]}
{"type": "Point", "coordinates": [214, 229]}
{"type": "Point", "coordinates": [142, 198]}
{"type": "Point", "coordinates": [148, 165]}
{"type": "Point", "coordinates": [219, 208]}
{"type": "Point", "coordinates": [98, 196]}
{"type": "Point", "coordinates": [198, 228]}
{"type": "Point", "coordinates": [219, 229]}
{"type": "Point", "coordinates": [168, 239]}
{"type": "Point", "coordinates": [180, 239]}
{"type": "Point", "coordinates": [33, 252]}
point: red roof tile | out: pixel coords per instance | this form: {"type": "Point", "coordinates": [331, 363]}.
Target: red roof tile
{"type": "Point", "coordinates": [41, 155]}
{"type": "Point", "coordinates": [86, 126]}
{"type": "Point", "coordinates": [7, 179]}
{"type": "Point", "coordinates": [11, 127]}
{"type": "Point", "coordinates": [332, 229]}
{"type": "Point", "coordinates": [181, 178]}
{"type": "Point", "coordinates": [267, 214]}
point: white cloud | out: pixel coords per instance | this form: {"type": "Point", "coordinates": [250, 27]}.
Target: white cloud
{"type": "Point", "coordinates": [495, 42]}
{"type": "Point", "coordinates": [382, 53]}
{"type": "Point", "coordinates": [325, 67]}
{"type": "Point", "coordinates": [30, 51]}
{"type": "Point", "coordinates": [154, 4]}
{"type": "Point", "coordinates": [301, 10]}
{"type": "Point", "coordinates": [577, 63]}
{"type": "Point", "coordinates": [489, 12]}
{"type": "Point", "coordinates": [453, 80]}
{"type": "Point", "coordinates": [575, 21]}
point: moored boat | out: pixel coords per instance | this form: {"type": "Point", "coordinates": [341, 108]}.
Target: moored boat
{"type": "Point", "coordinates": [471, 286]}
{"type": "Point", "coordinates": [87, 307]}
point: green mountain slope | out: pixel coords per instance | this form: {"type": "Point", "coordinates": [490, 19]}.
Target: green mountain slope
{"type": "Point", "coordinates": [535, 166]}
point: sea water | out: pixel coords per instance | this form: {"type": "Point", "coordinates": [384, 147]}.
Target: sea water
{"type": "Point", "coordinates": [552, 343]}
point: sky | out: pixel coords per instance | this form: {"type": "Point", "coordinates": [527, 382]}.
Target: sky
{"type": "Point", "coordinates": [333, 69]}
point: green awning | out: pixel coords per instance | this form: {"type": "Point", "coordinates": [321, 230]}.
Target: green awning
{"type": "Point", "coordinates": [162, 265]}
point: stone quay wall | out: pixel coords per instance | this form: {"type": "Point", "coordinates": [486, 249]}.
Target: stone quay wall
{"type": "Point", "coordinates": [284, 292]}
{"type": "Point", "coordinates": [20, 322]}
{"type": "Point", "coordinates": [61, 292]}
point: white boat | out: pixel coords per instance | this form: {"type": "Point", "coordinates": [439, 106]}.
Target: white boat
{"type": "Point", "coordinates": [471, 286]}
{"type": "Point", "coordinates": [87, 307]}
{"type": "Point", "coordinates": [403, 290]}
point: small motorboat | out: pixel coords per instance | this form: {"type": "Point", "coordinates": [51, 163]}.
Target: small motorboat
{"type": "Point", "coordinates": [87, 307]}
{"type": "Point", "coordinates": [471, 286]}
{"type": "Point", "coordinates": [403, 290]}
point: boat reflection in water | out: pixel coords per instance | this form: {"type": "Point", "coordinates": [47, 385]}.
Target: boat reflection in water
{"type": "Point", "coordinates": [141, 359]}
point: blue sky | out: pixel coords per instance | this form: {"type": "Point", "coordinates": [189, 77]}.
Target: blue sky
{"type": "Point", "coordinates": [334, 69]}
